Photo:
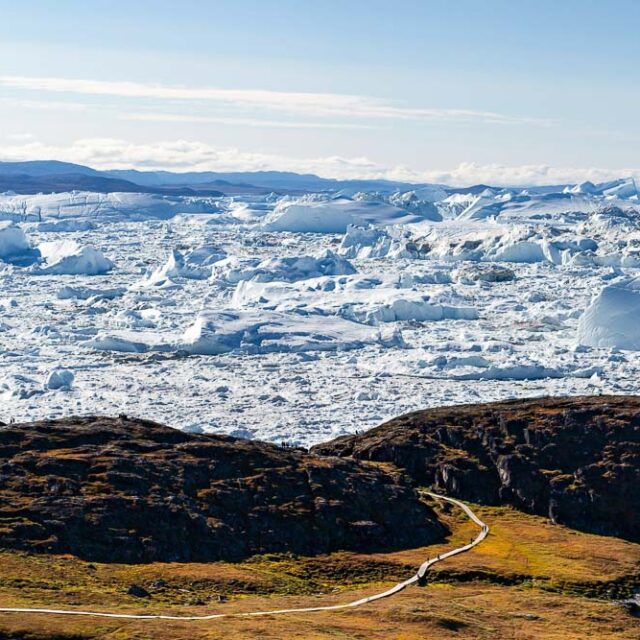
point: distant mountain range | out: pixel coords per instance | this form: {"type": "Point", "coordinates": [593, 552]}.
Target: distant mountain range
{"type": "Point", "coordinates": [55, 176]}
{"type": "Point", "coordinates": [47, 176]}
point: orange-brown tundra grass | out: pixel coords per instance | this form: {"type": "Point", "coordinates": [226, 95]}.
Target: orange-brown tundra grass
{"type": "Point", "coordinates": [530, 579]}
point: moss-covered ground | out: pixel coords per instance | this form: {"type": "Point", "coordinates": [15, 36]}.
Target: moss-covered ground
{"type": "Point", "coordinates": [530, 579]}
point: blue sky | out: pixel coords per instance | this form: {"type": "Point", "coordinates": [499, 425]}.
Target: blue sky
{"type": "Point", "coordinates": [511, 92]}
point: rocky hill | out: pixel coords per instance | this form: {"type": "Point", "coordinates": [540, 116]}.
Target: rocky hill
{"type": "Point", "coordinates": [125, 490]}
{"type": "Point", "coordinates": [134, 491]}
{"type": "Point", "coordinates": [575, 460]}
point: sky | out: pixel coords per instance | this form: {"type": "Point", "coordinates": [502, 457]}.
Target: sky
{"type": "Point", "coordinates": [526, 92]}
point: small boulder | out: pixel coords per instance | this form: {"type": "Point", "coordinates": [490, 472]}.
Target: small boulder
{"type": "Point", "coordinates": [137, 591]}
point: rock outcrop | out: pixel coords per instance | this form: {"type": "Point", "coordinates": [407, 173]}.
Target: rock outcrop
{"type": "Point", "coordinates": [575, 460]}
{"type": "Point", "coordinates": [123, 490]}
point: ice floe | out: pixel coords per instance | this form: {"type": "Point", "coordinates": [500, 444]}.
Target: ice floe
{"type": "Point", "coordinates": [365, 242]}
{"type": "Point", "coordinates": [176, 266]}
{"type": "Point", "coordinates": [364, 300]}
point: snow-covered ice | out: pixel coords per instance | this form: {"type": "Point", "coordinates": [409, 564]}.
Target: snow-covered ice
{"type": "Point", "coordinates": [301, 318]}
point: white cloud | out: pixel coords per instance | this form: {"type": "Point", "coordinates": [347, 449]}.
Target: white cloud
{"type": "Point", "coordinates": [290, 102]}
{"type": "Point", "coordinates": [248, 122]}
{"type": "Point", "coordinates": [181, 155]}
{"type": "Point", "coordinates": [184, 155]}
{"type": "Point", "coordinates": [468, 173]}
{"type": "Point", "coordinates": [43, 105]}
{"type": "Point", "coordinates": [20, 137]}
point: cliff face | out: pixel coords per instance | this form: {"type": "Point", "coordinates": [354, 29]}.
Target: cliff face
{"type": "Point", "coordinates": [575, 460]}
{"type": "Point", "coordinates": [135, 491]}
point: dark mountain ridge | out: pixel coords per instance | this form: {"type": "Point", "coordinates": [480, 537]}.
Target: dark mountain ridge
{"type": "Point", "coordinates": [61, 182]}
{"type": "Point", "coordinates": [51, 172]}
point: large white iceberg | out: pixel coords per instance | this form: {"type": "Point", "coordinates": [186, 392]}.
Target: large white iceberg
{"type": "Point", "coordinates": [67, 257]}
{"type": "Point", "coordinates": [518, 243]}
{"type": "Point", "coordinates": [612, 320]}
{"type": "Point", "coordinates": [365, 242]}
{"type": "Point", "coordinates": [585, 198]}
{"type": "Point", "coordinates": [334, 216]}
{"type": "Point", "coordinates": [73, 204]}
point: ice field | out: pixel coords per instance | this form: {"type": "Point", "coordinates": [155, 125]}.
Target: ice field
{"type": "Point", "coordinates": [300, 318]}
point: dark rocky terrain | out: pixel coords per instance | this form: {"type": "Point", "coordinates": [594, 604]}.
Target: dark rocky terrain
{"type": "Point", "coordinates": [124, 490]}
{"type": "Point", "coordinates": [575, 460]}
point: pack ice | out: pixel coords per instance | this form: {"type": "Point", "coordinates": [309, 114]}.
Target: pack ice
{"type": "Point", "coordinates": [300, 318]}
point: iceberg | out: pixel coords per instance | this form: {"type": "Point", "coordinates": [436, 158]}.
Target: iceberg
{"type": "Point", "coordinates": [119, 206]}
{"type": "Point", "coordinates": [612, 320]}
{"type": "Point", "coordinates": [13, 243]}
{"type": "Point", "coordinates": [67, 257]}
{"type": "Point", "coordinates": [334, 216]}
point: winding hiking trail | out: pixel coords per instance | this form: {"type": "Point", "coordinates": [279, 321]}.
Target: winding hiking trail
{"type": "Point", "coordinates": [419, 577]}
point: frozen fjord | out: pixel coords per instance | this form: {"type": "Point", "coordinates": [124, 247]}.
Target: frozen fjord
{"type": "Point", "coordinates": [302, 318]}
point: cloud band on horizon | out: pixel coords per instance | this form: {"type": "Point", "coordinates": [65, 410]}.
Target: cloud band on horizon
{"type": "Point", "coordinates": [185, 155]}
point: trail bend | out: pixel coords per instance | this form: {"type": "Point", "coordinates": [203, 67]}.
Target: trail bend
{"type": "Point", "coordinates": [418, 577]}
